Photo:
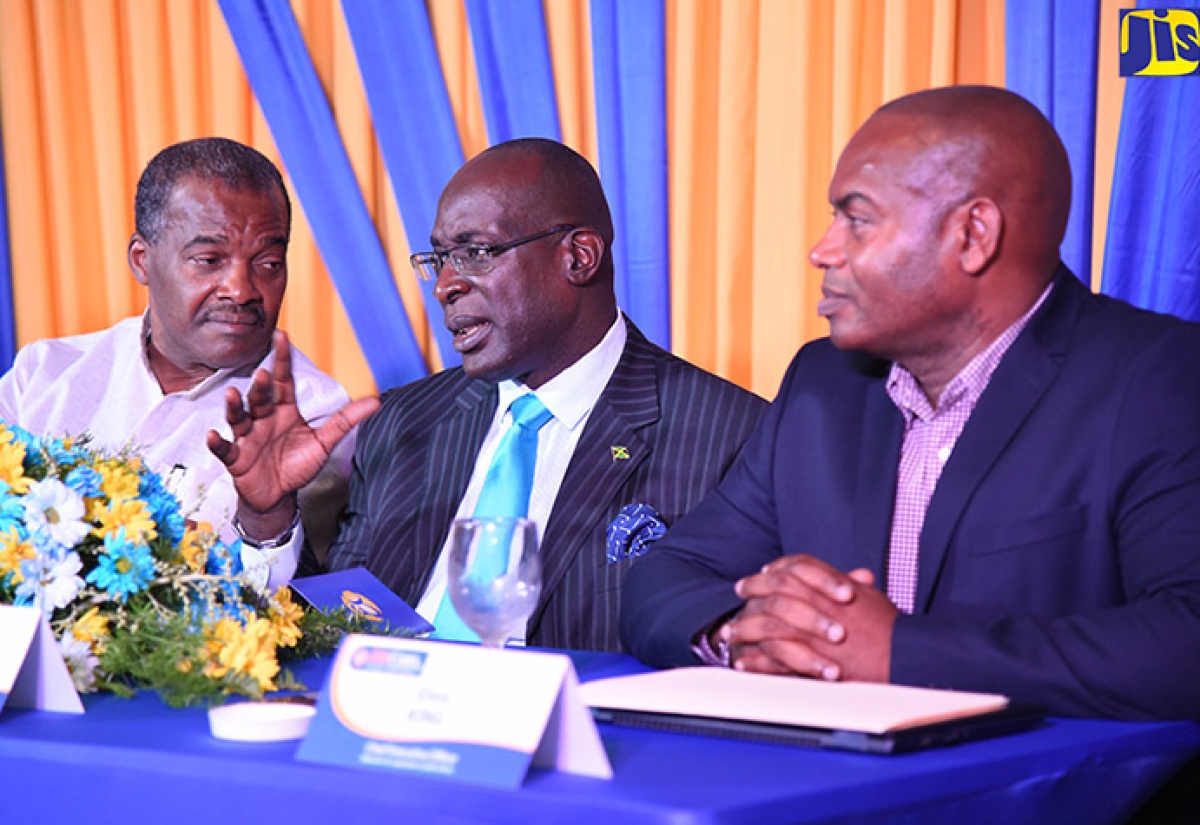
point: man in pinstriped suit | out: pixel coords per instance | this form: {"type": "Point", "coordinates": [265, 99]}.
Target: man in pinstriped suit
{"type": "Point", "coordinates": [523, 267]}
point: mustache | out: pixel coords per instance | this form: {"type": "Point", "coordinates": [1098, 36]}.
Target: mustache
{"type": "Point", "coordinates": [236, 313]}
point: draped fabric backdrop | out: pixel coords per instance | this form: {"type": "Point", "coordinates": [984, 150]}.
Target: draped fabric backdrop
{"type": "Point", "coordinates": [1153, 254]}
{"type": "Point", "coordinates": [715, 125]}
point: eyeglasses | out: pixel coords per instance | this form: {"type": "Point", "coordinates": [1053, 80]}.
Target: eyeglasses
{"type": "Point", "coordinates": [472, 258]}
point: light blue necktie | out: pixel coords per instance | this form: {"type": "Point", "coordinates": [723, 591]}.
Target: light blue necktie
{"type": "Point", "coordinates": [505, 492]}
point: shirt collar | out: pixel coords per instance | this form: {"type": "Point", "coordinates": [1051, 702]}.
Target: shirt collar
{"type": "Point", "coordinates": [971, 380]}
{"type": "Point", "coordinates": [572, 393]}
{"type": "Point", "coordinates": [217, 378]}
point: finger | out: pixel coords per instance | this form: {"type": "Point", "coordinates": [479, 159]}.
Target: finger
{"type": "Point", "coordinates": [802, 659]}
{"type": "Point", "coordinates": [225, 451]}
{"type": "Point", "coordinates": [785, 658]}
{"type": "Point", "coordinates": [335, 428]}
{"type": "Point", "coordinates": [235, 413]}
{"type": "Point", "coordinates": [797, 574]}
{"type": "Point", "coordinates": [863, 576]}
{"type": "Point", "coordinates": [260, 395]}
{"type": "Point", "coordinates": [281, 373]}
{"type": "Point", "coordinates": [751, 659]}
{"type": "Point", "coordinates": [783, 617]}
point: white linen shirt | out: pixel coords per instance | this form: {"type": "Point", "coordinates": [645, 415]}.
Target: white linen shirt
{"type": "Point", "coordinates": [101, 383]}
{"type": "Point", "coordinates": [570, 397]}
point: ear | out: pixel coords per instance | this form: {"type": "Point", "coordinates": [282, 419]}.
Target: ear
{"type": "Point", "coordinates": [585, 251]}
{"type": "Point", "coordinates": [136, 255]}
{"type": "Point", "coordinates": [982, 229]}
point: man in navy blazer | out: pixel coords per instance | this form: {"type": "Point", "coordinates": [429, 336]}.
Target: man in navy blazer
{"type": "Point", "coordinates": [1015, 460]}
{"type": "Point", "coordinates": [522, 265]}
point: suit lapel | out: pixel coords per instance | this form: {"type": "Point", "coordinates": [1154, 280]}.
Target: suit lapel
{"type": "Point", "coordinates": [878, 464]}
{"type": "Point", "coordinates": [598, 470]}
{"type": "Point", "coordinates": [450, 460]}
{"type": "Point", "coordinates": [1025, 374]}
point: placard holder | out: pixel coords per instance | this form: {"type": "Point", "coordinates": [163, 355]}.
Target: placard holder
{"type": "Point", "coordinates": [33, 673]}
{"type": "Point", "coordinates": [453, 711]}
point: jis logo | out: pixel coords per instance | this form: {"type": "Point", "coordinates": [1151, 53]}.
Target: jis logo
{"type": "Point", "coordinates": [1159, 42]}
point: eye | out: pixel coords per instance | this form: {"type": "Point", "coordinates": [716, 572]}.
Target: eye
{"type": "Point", "coordinates": [475, 254]}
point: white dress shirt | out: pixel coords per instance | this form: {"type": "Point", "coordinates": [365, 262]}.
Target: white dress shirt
{"type": "Point", "coordinates": [101, 383]}
{"type": "Point", "coordinates": [570, 397]}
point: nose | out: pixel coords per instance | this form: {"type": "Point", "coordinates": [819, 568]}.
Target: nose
{"type": "Point", "coordinates": [827, 253]}
{"type": "Point", "coordinates": [450, 284]}
{"type": "Point", "coordinates": [238, 283]}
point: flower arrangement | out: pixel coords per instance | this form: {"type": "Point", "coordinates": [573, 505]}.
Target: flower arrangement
{"type": "Point", "coordinates": [137, 596]}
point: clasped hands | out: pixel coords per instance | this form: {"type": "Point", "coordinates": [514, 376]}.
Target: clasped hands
{"type": "Point", "coordinates": [803, 617]}
{"type": "Point", "coordinates": [274, 452]}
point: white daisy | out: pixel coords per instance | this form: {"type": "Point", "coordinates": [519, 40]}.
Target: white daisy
{"type": "Point", "coordinates": [80, 661]}
{"type": "Point", "coordinates": [55, 511]}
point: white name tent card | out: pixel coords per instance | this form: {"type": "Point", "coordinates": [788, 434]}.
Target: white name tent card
{"type": "Point", "coordinates": [455, 711]}
{"type": "Point", "coordinates": [32, 671]}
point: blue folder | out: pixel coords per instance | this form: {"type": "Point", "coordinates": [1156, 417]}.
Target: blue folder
{"type": "Point", "coordinates": [358, 591]}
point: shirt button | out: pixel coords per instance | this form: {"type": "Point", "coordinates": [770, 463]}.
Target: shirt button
{"type": "Point", "coordinates": [943, 454]}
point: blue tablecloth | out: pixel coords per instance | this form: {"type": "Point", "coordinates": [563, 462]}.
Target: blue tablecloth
{"type": "Point", "coordinates": [139, 761]}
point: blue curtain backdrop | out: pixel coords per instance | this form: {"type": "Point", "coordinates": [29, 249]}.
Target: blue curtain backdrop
{"type": "Point", "coordinates": [1152, 254]}
{"type": "Point", "coordinates": [8, 332]}
{"type": "Point", "coordinates": [516, 78]}
{"type": "Point", "coordinates": [414, 123]}
{"type": "Point", "coordinates": [629, 48]}
{"type": "Point", "coordinates": [285, 82]}
{"type": "Point", "coordinates": [1050, 55]}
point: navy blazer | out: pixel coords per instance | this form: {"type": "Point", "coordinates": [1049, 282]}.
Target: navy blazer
{"type": "Point", "coordinates": [1060, 555]}
{"type": "Point", "coordinates": [414, 458]}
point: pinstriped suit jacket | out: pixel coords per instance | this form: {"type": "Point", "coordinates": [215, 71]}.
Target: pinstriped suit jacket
{"type": "Point", "coordinates": [414, 458]}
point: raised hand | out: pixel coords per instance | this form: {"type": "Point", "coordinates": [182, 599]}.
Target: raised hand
{"type": "Point", "coordinates": [274, 452]}
{"type": "Point", "coordinates": [804, 617]}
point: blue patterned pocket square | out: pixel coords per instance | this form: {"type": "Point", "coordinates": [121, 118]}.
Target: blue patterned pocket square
{"type": "Point", "coordinates": [633, 532]}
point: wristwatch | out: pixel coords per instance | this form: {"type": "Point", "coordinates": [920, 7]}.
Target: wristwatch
{"type": "Point", "coordinates": [271, 543]}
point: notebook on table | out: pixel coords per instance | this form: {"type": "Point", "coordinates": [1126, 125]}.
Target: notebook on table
{"type": "Point", "coordinates": [856, 716]}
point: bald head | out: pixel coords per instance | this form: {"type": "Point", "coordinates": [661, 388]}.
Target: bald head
{"type": "Point", "coordinates": [991, 143]}
{"type": "Point", "coordinates": [551, 183]}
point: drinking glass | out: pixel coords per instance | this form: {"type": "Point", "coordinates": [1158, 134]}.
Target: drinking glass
{"type": "Point", "coordinates": [494, 575]}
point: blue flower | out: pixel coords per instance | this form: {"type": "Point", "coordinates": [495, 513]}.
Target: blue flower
{"type": "Point", "coordinates": [633, 532]}
{"type": "Point", "coordinates": [60, 453]}
{"type": "Point", "coordinates": [164, 507]}
{"type": "Point", "coordinates": [124, 568]}
{"type": "Point", "coordinates": [85, 481]}
{"type": "Point", "coordinates": [12, 512]}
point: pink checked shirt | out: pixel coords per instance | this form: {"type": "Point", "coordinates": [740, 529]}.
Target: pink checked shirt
{"type": "Point", "coordinates": [929, 438]}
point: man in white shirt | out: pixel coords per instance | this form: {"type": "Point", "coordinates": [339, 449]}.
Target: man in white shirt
{"type": "Point", "coordinates": [523, 268]}
{"type": "Point", "coordinates": [213, 220]}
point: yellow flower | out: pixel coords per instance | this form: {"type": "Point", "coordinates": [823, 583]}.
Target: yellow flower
{"type": "Point", "coordinates": [12, 463]}
{"type": "Point", "coordinates": [194, 547]}
{"type": "Point", "coordinates": [132, 514]}
{"type": "Point", "coordinates": [92, 628]}
{"type": "Point", "coordinates": [12, 551]}
{"type": "Point", "coordinates": [248, 650]}
{"type": "Point", "coordinates": [118, 480]}
{"type": "Point", "coordinates": [285, 618]}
